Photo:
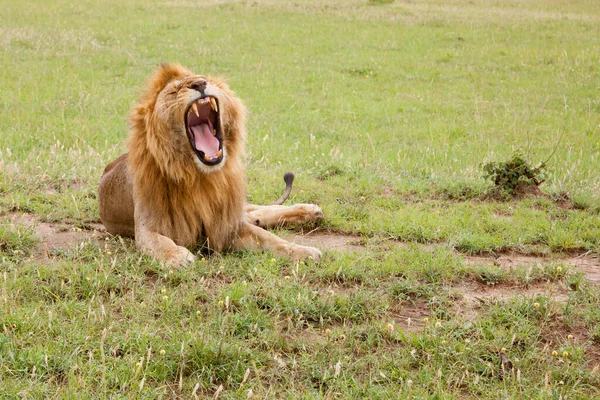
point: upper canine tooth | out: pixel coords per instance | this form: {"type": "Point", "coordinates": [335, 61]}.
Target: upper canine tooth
{"type": "Point", "coordinates": [213, 104]}
{"type": "Point", "coordinates": [214, 132]}
{"type": "Point", "coordinates": [195, 108]}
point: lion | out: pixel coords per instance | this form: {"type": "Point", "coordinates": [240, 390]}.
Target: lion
{"type": "Point", "coordinates": [182, 182]}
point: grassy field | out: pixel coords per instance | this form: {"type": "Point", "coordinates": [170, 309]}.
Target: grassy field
{"type": "Point", "coordinates": [386, 111]}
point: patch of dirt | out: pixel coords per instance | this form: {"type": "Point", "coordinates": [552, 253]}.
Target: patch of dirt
{"type": "Point", "coordinates": [329, 240]}
{"type": "Point", "coordinates": [590, 266]}
{"type": "Point", "coordinates": [387, 191]}
{"type": "Point", "coordinates": [57, 236]}
{"type": "Point", "coordinates": [411, 317]}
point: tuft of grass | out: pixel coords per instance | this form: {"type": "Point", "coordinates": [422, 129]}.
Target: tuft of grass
{"type": "Point", "coordinates": [490, 275]}
{"type": "Point", "coordinates": [16, 242]}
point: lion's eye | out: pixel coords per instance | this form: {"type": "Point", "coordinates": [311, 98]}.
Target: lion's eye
{"type": "Point", "coordinates": [174, 90]}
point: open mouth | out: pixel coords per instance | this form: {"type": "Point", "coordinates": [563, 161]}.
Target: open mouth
{"type": "Point", "coordinates": [203, 127]}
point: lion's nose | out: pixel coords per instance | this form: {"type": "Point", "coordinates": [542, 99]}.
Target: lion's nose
{"type": "Point", "coordinates": [198, 85]}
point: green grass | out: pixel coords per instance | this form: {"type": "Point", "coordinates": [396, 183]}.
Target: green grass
{"type": "Point", "coordinates": [386, 111]}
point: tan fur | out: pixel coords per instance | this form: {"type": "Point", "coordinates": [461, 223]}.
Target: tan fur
{"type": "Point", "coordinates": [158, 194]}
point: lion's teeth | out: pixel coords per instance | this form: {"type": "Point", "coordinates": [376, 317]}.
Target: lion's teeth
{"type": "Point", "coordinates": [207, 158]}
{"type": "Point", "coordinates": [220, 153]}
{"type": "Point", "coordinates": [213, 104]}
{"type": "Point", "coordinates": [195, 108]}
{"type": "Point", "coordinates": [214, 132]}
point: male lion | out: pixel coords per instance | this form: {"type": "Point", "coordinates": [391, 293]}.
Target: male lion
{"type": "Point", "coordinates": [182, 181]}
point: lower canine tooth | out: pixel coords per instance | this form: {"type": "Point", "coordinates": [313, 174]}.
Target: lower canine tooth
{"type": "Point", "coordinates": [214, 132]}
{"type": "Point", "coordinates": [207, 158]}
{"type": "Point", "coordinates": [220, 153]}
{"type": "Point", "coordinates": [195, 108]}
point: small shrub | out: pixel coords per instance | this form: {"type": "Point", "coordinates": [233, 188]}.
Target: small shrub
{"type": "Point", "coordinates": [515, 176]}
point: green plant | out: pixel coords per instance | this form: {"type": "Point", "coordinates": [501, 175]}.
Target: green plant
{"type": "Point", "coordinates": [515, 175]}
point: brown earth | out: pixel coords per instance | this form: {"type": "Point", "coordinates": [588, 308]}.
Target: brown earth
{"type": "Point", "coordinates": [56, 236]}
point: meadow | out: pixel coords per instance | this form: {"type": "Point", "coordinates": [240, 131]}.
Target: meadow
{"type": "Point", "coordinates": [433, 285]}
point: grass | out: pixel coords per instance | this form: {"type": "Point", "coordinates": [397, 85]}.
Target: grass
{"type": "Point", "coordinates": [386, 111]}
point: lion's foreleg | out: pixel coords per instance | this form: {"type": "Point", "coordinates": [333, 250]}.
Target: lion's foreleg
{"type": "Point", "coordinates": [158, 246]}
{"type": "Point", "coordinates": [251, 237]}
{"type": "Point", "coordinates": [162, 248]}
{"type": "Point", "coordinates": [276, 215]}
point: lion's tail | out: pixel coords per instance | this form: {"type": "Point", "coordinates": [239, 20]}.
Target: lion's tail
{"type": "Point", "coordinates": [288, 178]}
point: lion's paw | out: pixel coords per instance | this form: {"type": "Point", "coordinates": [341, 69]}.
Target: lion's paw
{"type": "Point", "coordinates": [305, 253]}
{"type": "Point", "coordinates": [311, 212]}
{"type": "Point", "coordinates": [180, 256]}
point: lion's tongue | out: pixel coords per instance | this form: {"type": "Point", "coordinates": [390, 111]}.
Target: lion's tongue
{"type": "Point", "coordinates": [204, 140]}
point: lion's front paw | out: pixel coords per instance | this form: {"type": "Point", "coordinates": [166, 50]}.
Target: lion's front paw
{"type": "Point", "coordinates": [179, 256]}
{"type": "Point", "coordinates": [305, 253]}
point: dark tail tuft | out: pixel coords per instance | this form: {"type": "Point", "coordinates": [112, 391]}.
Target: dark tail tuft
{"type": "Point", "coordinates": [288, 178]}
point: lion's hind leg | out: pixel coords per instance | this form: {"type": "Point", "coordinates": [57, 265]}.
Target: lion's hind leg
{"type": "Point", "coordinates": [251, 237]}
{"type": "Point", "coordinates": [115, 198]}
{"type": "Point", "coordinates": [277, 215]}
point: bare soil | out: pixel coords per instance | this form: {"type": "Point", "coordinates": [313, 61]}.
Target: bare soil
{"type": "Point", "coordinates": [56, 236]}
{"type": "Point", "coordinates": [412, 317]}
{"type": "Point", "coordinates": [329, 240]}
